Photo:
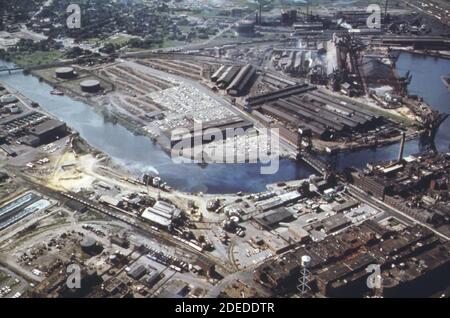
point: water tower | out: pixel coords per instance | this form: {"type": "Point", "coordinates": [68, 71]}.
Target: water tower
{"type": "Point", "coordinates": [305, 276]}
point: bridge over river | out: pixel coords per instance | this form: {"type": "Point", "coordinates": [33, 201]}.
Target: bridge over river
{"type": "Point", "coordinates": [10, 67]}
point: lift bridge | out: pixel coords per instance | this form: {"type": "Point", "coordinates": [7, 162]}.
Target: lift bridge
{"type": "Point", "coordinates": [9, 67]}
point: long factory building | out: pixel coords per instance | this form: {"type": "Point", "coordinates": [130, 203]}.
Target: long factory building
{"type": "Point", "coordinates": [419, 43]}
{"type": "Point", "coordinates": [305, 107]}
{"type": "Point", "coordinates": [208, 130]}
{"type": "Point", "coordinates": [235, 79]}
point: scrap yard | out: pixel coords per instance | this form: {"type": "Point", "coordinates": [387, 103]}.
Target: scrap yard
{"type": "Point", "coordinates": [223, 149]}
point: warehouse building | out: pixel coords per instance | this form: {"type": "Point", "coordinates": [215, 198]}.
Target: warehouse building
{"type": "Point", "coordinates": [418, 43]}
{"type": "Point", "coordinates": [242, 81]}
{"type": "Point", "coordinates": [272, 219]}
{"type": "Point", "coordinates": [218, 74]}
{"type": "Point", "coordinates": [225, 126]}
{"type": "Point", "coordinates": [49, 131]}
{"type": "Point", "coordinates": [307, 108]}
{"type": "Point", "coordinates": [162, 214]}
{"type": "Point", "coordinates": [227, 76]}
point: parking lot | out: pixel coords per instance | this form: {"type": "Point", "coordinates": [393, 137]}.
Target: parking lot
{"type": "Point", "coordinates": [11, 285]}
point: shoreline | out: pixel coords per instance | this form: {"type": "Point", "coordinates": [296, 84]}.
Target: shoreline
{"type": "Point", "coordinates": [132, 127]}
{"type": "Point", "coordinates": [109, 162]}
{"type": "Point", "coordinates": [128, 123]}
{"type": "Point", "coordinates": [446, 81]}
{"type": "Point", "coordinates": [445, 55]}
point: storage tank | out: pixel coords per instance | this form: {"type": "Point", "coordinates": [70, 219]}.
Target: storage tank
{"type": "Point", "coordinates": [305, 261]}
{"type": "Point", "coordinates": [90, 86]}
{"type": "Point", "coordinates": [65, 72]}
{"type": "Point", "coordinates": [90, 246]}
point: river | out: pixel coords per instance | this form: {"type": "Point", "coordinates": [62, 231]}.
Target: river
{"type": "Point", "coordinates": [139, 154]}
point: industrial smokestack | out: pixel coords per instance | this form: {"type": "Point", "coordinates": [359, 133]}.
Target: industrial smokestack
{"type": "Point", "coordinates": [307, 11]}
{"type": "Point", "coordinates": [260, 13]}
{"type": "Point", "coordinates": [386, 5]}
{"type": "Point", "coordinates": [402, 147]}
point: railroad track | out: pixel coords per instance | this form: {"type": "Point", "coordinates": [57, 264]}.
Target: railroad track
{"type": "Point", "coordinates": [140, 226]}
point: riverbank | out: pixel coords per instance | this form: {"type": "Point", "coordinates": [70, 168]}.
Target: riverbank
{"type": "Point", "coordinates": [446, 81]}
{"type": "Point", "coordinates": [24, 59]}
{"type": "Point", "coordinates": [93, 101]}
{"type": "Point", "coordinates": [425, 53]}
{"type": "Point", "coordinates": [136, 126]}
{"type": "Point", "coordinates": [371, 145]}
{"type": "Point", "coordinates": [138, 155]}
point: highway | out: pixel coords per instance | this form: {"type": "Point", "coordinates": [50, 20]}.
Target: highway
{"type": "Point", "coordinates": [436, 9]}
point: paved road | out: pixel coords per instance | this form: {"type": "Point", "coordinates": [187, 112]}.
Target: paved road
{"type": "Point", "coordinates": [364, 197]}
{"type": "Point", "coordinates": [438, 10]}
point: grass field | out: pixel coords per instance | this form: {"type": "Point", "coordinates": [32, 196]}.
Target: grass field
{"type": "Point", "coordinates": [3, 277]}
{"type": "Point", "coordinates": [36, 58]}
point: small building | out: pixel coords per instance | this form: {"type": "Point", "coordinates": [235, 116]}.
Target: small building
{"type": "Point", "coordinates": [30, 140]}
{"type": "Point", "coordinates": [137, 272]}
{"type": "Point", "coordinates": [13, 108]}
{"type": "Point", "coordinates": [246, 27]}
{"type": "Point", "coordinates": [155, 115]}
{"type": "Point", "coordinates": [107, 200]}
{"type": "Point", "coordinates": [350, 204]}
{"type": "Point", "coordinates": [120, 241]}
{"type": "Point", "coordinates": [76, 206]}
{"type": "Point", "coordinates": [277, 244]}
{"type": "Point", "coordinates": [205, 267]}
{"type": "Point", "coordinates": [3, 177]}
{"type": "Point", "coordinates": [151, 278]}
{"type": "Point", "coordinates": [334, 223]}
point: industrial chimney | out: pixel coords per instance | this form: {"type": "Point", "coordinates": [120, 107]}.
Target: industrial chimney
{"type": "Point", "coordinates": [402, 147]}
